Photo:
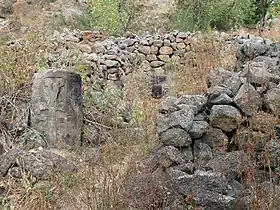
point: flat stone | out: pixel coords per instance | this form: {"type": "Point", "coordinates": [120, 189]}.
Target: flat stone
{"type": "Point", "coordinates": [202, 154]}
{"type": "Point", "coordinates": [131, 49]}
{"type": "Point", "coordinates": [168, 105]}
{"type": "Point", "coordinates": [179, 52]}
{"type": "Point", "coordinates": [172, 38]}
{"type": "Point", "coordinates": [175, 137]}
{"type": "Point", "coordinates": [43, 163]}
{"type": "Point", "coordinates": [154, 50]}
{"type": "Point", "coordinates": [187, 153]}
{"type": "Point", "coordinates": [158, 43]}
{"type": "Point", "coordinates": [112, 70]}
{"type": "Point", "coordinates": [168, 156]}
{"type": "Point", "coordinates": [111, 63]}
{"type": "Point", "coordinates": [178, 40]}
{"type": "Point", "coordinates": [216, 139]}
{"type": "Point", "coordinates": [155, 64]}
{"type": "Point", "coordinates": [165, 50]}
{"type": "Point", "coordinates": [233, 83]}
{"type": "Point", "coordinates": [182, 35]}
{"type": "Point", "coordinates": [222, 99]}
{"type": "Point", "coordinates": [164, 58]}
{"type": "Point", "coordinates": [144, 49]}
{"type": "Point", "coordinates": [181, 46]}
{"type": "Point", "coordinates": [218, 77]}
{"type": "Point", "coordinates": [159, 71]}
{"type": "Point", "coordinates": [230, 164]}
{"type": "Point", "coordinates": [180, 119]}
{"type": "Point", "coordinates": [257, 73]}
{"type": "Point", "coordinates": [166, 42]}
{"type": "Point", "coordinates": [9, 159]}
{"type": "Point", "coordinates": [144, 41]}
{"type": "Point", "coordinates": [130, 42]}
{"type": "Point", "coordinates": [92, 57]}
{"type": "Point", "coordinates": [209, 189]}
{"type": "Point", "coordinates": [196, 102]}
{"type": "Point", "coordinates": [151, 58]}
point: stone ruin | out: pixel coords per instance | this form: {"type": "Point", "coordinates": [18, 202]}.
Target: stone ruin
{"type": "Point", "coordinates": [205, 138]}
{"type": "Point", "coordinates": [209, 141]}
{"type": "Point", "coordinates": [111, 59]}
{"type": "Point", "coordinates": [108, 60]}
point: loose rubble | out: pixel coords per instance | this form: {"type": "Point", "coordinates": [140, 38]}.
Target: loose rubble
{"type": "Point", "coordinates": [213, 132]}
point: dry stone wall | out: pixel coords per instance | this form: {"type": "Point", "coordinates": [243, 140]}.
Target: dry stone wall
{"type": "Point", "coordinates": [109, 59]}
{"type": "Point", "coordinates": [207, 138]}
{"type": "Point", "coordinates": [112, 58]}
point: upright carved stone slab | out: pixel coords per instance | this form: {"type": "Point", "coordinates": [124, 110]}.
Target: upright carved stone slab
{"type": "Point", "coordinates": [56, 107]}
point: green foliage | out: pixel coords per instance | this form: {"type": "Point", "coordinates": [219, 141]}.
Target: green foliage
{"type": "Point", "coordinates": [4, 204]}
{"type": "Point", "coordinates": [273, 9]}
{"type": "Point", "coordinates": [114, 16]}
{"type": "Point", "coordinates": [81, 68]}
{"type": "Point", "coordinates": [208, 14]}
{"type": "Point", "coordinates": [48, 194]}
{"type": "Point", "coordinates": [219, 14]}
{"type": "Point", "coordinates": [138, 113]}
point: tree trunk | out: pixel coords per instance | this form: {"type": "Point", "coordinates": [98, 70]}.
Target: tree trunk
{"type": "Point", "coordinates": [262, 16]}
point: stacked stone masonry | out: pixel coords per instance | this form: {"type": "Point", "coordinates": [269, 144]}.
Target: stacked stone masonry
{"type": "Point", "coordinates": [206, 137]}
{"type": "Point", "coordinates": [112, 58]}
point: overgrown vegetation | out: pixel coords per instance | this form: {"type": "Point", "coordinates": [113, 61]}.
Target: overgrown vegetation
{"type": "Point", "coordinates": [98, 184]}
{"type": "Point", "coordinates": [206, 55]}
{"type": "Point", "coordinates": [114, 16]}
{"type": "Point", "coordinates": [220, 14]}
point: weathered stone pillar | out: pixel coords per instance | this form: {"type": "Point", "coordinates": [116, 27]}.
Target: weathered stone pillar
{"type": "Point", "coordinates": [56, 107]}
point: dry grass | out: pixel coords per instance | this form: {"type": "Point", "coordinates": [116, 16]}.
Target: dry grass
{"type": "Point", "coordinates": [272, 34]}
{"type": "Point", "coordinates": [207, 54]}
{"type": "Point", "coordinates": [98, 184]}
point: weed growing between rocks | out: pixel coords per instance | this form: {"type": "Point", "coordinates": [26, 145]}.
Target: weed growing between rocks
{"type": "Point", "coordinates": [104, 169]}
{"type": "Point", "coordinates": [117, 135]}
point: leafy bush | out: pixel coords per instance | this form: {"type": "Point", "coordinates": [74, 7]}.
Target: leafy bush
{"type": "Point", "coordinates": [220, 14]}
{"type": "Point", "coordinates": [114, 16]}
{"type": "Point", "coordinates": [207, 14]}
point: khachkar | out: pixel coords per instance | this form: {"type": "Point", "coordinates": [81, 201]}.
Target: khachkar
{"type": "Point", "coordinates": [56, 107]}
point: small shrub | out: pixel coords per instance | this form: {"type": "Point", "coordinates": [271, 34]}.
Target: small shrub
{"type": "Point", "coordinates": [212, 14]}
{"type": "Point", "coordinates": [114, 16]}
